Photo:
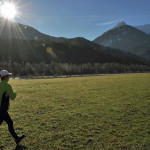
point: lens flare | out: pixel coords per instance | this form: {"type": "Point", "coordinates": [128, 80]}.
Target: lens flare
{"type": "Point", "coordinates": [8, 11]}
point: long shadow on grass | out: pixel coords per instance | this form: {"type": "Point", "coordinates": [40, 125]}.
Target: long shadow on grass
{"type": "Point", "coordinates": [20, 147]}
{"type": "Point", "coordinates": [1, 147]}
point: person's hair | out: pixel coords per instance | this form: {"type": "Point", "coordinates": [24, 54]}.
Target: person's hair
{"type": "Point", "coordinates": [3, 78]}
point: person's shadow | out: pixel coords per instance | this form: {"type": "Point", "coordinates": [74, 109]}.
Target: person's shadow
{"type": "Point", "coordinates": [20, 147]}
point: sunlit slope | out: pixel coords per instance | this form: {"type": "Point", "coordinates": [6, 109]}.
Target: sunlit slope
{"type": "Point", "coordinates": [127, 38]}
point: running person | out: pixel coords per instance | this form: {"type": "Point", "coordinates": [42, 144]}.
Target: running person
{"type": "Point", "coordinates": [7, 92]}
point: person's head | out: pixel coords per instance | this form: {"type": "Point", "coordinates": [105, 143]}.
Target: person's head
{"type": "Point", "coordinates": [5, 78]}
{"type": "Point", "coordinates": [5, 75]}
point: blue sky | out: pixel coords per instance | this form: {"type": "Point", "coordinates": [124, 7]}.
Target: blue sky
{"type": "Point", "coordinates": [81, 18]}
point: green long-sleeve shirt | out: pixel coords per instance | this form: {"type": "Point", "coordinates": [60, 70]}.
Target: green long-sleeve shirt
{"type": "Point", "coordinates": [6, 87]}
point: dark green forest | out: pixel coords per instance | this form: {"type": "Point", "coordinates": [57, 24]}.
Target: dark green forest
{"type": "Point", "coordinates": [74, 56]}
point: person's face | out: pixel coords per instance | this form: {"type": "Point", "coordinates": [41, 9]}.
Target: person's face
{"type": "Point", "coordinates": [7, 78]}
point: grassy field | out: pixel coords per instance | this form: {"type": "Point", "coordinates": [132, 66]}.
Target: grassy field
{"type": "Point", "coordinates": [92, 113]}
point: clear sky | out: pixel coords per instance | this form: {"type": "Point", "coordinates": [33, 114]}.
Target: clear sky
{"type": "Point", "coordinates": [81, 18]}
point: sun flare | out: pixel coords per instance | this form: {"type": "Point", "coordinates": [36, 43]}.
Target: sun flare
{"type": "Point", "coordinates": [8, 11]}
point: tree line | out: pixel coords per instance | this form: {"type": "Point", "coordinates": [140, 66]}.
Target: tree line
{"type": "Point", "coordinates": [55, 68]}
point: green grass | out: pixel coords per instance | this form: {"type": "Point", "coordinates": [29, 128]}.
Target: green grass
{"type": "Point", "coordinates": [93, 113]}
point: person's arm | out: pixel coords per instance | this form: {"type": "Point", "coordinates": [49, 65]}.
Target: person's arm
{"type": "Point", "coordinates": [10, 92]}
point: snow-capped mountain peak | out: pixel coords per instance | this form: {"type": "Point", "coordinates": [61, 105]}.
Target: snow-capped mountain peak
{"type": "Point", "coordinates": [122, 23]}
{"type": "Point", "coordinates": [145, 28]}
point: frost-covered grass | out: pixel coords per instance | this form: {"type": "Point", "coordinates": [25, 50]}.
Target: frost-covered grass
{"type": "Point", "coordinates": [103, 112]}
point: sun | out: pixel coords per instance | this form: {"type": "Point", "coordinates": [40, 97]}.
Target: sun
{"type": "Point", "coordinates": [8, 11]}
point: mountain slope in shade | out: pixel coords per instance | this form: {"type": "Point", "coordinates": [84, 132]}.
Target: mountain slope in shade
{"type": "Point", "coordinates": [145, 28]}
{"type": "Point", "coordinates": [20, 43]}
{"type": "Point", "coordinates": [77, 50]}
{"type": "Point", "coordinates": [126, 38]}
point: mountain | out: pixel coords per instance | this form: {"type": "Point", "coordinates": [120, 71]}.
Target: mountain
{"type": "Point", "coordinates": [21, 43]}
{"type": "Point", "coordinates": [84, 50]}
{"type": "Point", "coordinates": [12, 30]}
{"type": "Point", "coordinates": [145, 28]}
{"type": "Point", "coordinates": [77, 50]}
{"type": "Point", "coordinates": [126, 38]}
{"type": "Point", "coordinates": [120, 24]}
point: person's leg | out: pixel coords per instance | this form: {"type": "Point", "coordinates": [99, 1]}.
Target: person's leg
{"type": "Point", "coordinates": [1, 120]}
{"type": "Point", "coordinates": [9, 121]}
{"type": "Point", "coordinates": [1, 117]}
